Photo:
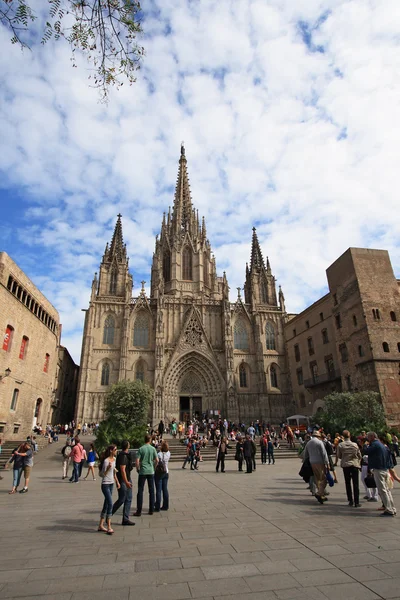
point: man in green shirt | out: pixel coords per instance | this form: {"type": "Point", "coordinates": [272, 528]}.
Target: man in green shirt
{"type": "Point", "coordinates": [145, 463]}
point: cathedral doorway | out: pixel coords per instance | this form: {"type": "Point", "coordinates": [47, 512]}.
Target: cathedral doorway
{"type": "Point", "coordinates": [190, 408]}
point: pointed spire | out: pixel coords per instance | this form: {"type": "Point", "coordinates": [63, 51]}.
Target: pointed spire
{"type": "Point", "coordinates": [256, 259]}
{"type": "Point", "coordinates": [117, 247]}
{"type": "Point", "coordinates": [182, 210]}
{"type": "Point", "coordinates": [268, 266]}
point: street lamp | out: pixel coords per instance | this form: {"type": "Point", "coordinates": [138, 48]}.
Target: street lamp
{"type": "Point", "coordinates": [6, 374]}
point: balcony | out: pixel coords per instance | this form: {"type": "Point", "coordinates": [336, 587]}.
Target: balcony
{"type": "Point", "coordinates": [321, 379]}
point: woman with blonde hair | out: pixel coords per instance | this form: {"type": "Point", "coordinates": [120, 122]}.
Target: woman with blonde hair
{"type": "Point", "coordinates": [162, 477]}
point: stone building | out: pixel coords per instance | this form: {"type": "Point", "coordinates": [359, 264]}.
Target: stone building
{"type": "Point", "coordinates": [28, 355]}
{"type": "Point", "coordinates": [350, 338]}
{"type": "Point", "coordinates": [66, 385]}
{"type": "Point", "coordinates": [200, 352]}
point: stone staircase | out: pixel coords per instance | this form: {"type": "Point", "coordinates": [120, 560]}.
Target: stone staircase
{"type": "Point", "coordinates": [178, 451]}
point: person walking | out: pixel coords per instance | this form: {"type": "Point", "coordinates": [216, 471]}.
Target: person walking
{"type": "Point", "coordinates": [66, 454]}
{"type": "Point", "coordinates": [161, 479]}
{"type": "Point", "coordinates": [91, 460]}
{"type": "Point", "coordinates": [145, 463]}
{"type": "Point", "coordinates": [161, 428]}
{"type": "Point", "coordinates": [263, 447]}
{"type": "Point", "coordinates": [253, 453]}
{"type": "Point", "coordinates": [124, 467]}
{"type": "Point", "coordinates": [76, 457]}
{"type": "Point", "coordinates": [379, 462]}
{"type": "Point", "coordinates": [247, 453]}
{"type": "Point", "coordinates": [270, 451]}
{"type": "Point", "coordinates": [221, 453]}
{"type": "Point", "coordinates": [239, 456]}
{"type": "Point", "coordinates": [316, 454]}
{"type": "Point", "coordinates": [350, 460]}
{"type": "Point", "coordinates": [26, 453]}
{"type": "Point", "coordinates": [108, 475]}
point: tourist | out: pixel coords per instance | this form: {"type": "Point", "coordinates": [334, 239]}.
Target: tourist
{"type": "Point", "coordinates": [251, 431]}
{"type": "Point", "coordinates": [316, 453]}
{"type": "Point", "coordinates": [91, 460]}
{"type": "Point", "coordinates": [395, 444]}
{"type": "Point", "coordinates": [194, 454]}
{"type": "Point", "coordinates": [18, 464]}
{"type": "Point", "coordinates": [180, 430]}
{"type": "Point", "coordinates": [66, 454]}
{"type": "Point", "coordinates": [350, 460]}
{"type": "Point", "coordinates": [221, 453]}
{"type": "Point", "coordinates": [239, 456]}
{"type": "Point", "coordinates": [108, 477]}
{"type": "Point", "coordinates": [270, 451]}
{"type": "Point", "coordinates": [380, 461]}
{"type": "Point", "coordinates": [161, 478]}
{"type": "Point", "coordinates": [247, 453]}
{"type": "Point", "coordinates": [253, 453]}
{"type": "Point", "coordinates": [84, 457]}
{"type": "Point", "coordinates": [145, 463]}
{"type": "Point", "coordinates": [161, 428]}
{"type": "Point", "coordinates": [124, 468]}
{"type": "Point", "coordinates": [27, 453]}
{"type": "Point", "coordinates": [173, 428]}
{"type": "Point", "coordinates": [263, 447]}
{"type": "Point", "coordinates": [330, 452]}
{"type": "Point", "coordinates": [76, 457]}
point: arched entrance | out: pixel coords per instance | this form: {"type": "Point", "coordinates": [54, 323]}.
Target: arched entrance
{"type": "Point", "coordinates": [193, 385]}
{"type": "Point", "coordinates": [38, 410]}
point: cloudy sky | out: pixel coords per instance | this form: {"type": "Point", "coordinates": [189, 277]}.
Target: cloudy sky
{"type": "Point", "coordinates": [290, 113]}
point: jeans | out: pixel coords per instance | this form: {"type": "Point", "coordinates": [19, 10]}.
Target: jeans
{"type": "Point", "coordinates": [17, 474]}
{"type": "Point", "coordinates": [271, 458]}
{"type": "Point", "coordinates": [75, 472]}
{"type": "Point", "coordinates": [80, 468]}
{"type": "Point", "coordinates": [351, 476]}
{"type": "Point", "coordinates": [139, 498]}
{"type": "Point", "coordinates": [107, 489]}
{"type": "Point", "coordinates": [240, 464]}
{"type": "Point", "coordinates": [221, 461]}
{"type": "Point", "coordinates": [162, 486]}
{"type": "Point", "coordinates": [124, 498]}
{"type": "Point", "coordinates": [263, 455]}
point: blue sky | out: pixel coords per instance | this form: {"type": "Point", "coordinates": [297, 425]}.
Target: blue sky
{"type": "Point", "coordinates": [290, 114]}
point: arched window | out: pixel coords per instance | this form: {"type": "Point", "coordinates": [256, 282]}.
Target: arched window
{"type": "Point", "coordinates": [46, 363]}
{"type": "Point", "coordinates": [167, 266]}
{"type": "Point", "coordinates": [105, 374]}
{"type": "Point", "coordinates": [38, 407]}
{"type": "Point", "coordinates": [385, 347]}
{"type": "Point", "coordinates": [264, 292]}
{"type": "Point", "coordinates": [242, 376]}
{"type": "Point", "coordinates": [273, 376]}
{"type": "Point", "coordinates": [187, 264]}
{"type": "Point", "coordinates": [109, 329]}
{"type": "Point", "coordinates": [113, 281]}
{"type": "Point", "coordinates": [14, 399]}
{"type": "Point", "coordinates": [205, 269]}
{"type": "Point", "coordinates": [139, 371]}
{"type": "Point", "coordinates": [7, 339]}
{"type": "Point", "coordinates": [241, 337]}
{"type": "Point", "coordinates": [23, 348]}
{"type": "Point", "coordinates": [270, 336]}
{"type": "Point", "coordinates": [393, 315]}
{"type": "Point", "coordinates": [141, 331]}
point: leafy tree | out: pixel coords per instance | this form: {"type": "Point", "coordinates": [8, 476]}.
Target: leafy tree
{"type": "Point", "coordinates": [126, 412]}
{"type": "Point", "coordinates": [354, 411]}
{"type": "Point", "coordinates": [104, 30]}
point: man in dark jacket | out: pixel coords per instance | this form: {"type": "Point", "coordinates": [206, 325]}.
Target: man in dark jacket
{"type": "Point", "coordinates": [380, 461]}
{"type": "Point", "coordinates": [247, 453]}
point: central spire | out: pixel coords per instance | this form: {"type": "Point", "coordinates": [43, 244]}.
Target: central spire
{"type": "Point", "coordinates": [183, 216]}
{"type": "Point", "coordinates": [117, 248]}
{"type": "Point", "coordinates": [256, 259]}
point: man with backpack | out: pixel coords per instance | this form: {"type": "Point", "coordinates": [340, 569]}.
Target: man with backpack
{"type": "Point", "coordinates": [66, 454]}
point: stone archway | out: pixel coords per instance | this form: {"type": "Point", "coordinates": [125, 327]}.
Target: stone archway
{"type": "Point", "coordinates": [193, 374]}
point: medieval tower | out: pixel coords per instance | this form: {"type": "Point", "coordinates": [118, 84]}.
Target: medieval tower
{"type": "Point", "coordinates": [200, 352]}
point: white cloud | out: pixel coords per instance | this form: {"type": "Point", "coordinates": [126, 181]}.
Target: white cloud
{"type": "Point", "coordinates": [299, 141]}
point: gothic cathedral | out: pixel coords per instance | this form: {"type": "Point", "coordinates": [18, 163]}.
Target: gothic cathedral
{"type": "Point", "coordinates": [200, 352]}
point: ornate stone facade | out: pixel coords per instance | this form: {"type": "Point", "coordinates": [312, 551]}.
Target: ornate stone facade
{"type": "Point", "coordinates": [198, 351]}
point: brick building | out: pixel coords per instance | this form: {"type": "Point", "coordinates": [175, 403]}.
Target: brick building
{"type": "Point", "coordinates": [28, 352]}
{"type": "Point", "coordinates": [67, 373]}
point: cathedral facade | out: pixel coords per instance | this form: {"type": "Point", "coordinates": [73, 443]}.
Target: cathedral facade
{"type": "Point", "coordinates": [201, 353]}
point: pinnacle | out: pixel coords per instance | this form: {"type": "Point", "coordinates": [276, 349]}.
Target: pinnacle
{"type": "Point", "coordinates": [256, 259]}
{"type": "Point", "coordinates": [117, 247]}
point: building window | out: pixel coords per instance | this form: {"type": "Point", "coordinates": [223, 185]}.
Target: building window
{"type": "Point", "coordinates": [343, 352]}
{"type": "Point", "coordinates": [141, 331]}
{"type": "Point", "coordinates": [348, 383]}
{"type": "Point", "coordinates": [38, 407]}
{"type": "Point", "coordinates": [8, 336]}
{"type": "Point", "coordinates": [330, 366]}
{"type": "Point", "coordinates": [297, 352]}
{"type": "Point", "coordinates": [16, 428]}
{"type": "Point", "coordinates": [205, 269]}
{"type": "Point", "coordinates": [376, 314]}
{"type": "Point", "coordinates": [398, 346]}
{"type": "Point", "coordinates": [300, 376]}
{"type": "Point", "coordinates": [187, 264]}
{"type": "Point", "coordinates": [314, 371]}
{"type": "Point", "coordinates": [24, 347]}
{"type": "Point", "coordinates": [46, 363]}
{"type": "Point", "coordinates": [338, 321]}
{"type": "Point", "coordinates": [273, 376]}
{"type": "Point", "coordinates": [310, 345]}
{"type": "Point", "coordinates": [393, 315]}
{"type": "Point", "coordinates": [270, 336]}
{"type": "Point", "coordinates": [113, 281]}
{"type": "Point", "coordinates": [360, 350]}
{"type": "Point", "coordinates": [242, 376]}
{"type": "Point", "coordinates": [325, 338]}
{"type": "Point", "coordinates": [264, 292]}
{"type": "Point", "coordinates": [241, 338]}
{"type": "Point", "coordinates": [321, 316]}
{"type": "Point", "coordinates": [302, 401]}
{"type": "Point", "coordinates": [307, 324]}
{"type": "Point", "coordinates": [14, 399]}
{"type": "Point", "coordinates": [385, 347]}
{"type": "Point", "coordinates": [335, 301]}
{"type": "Point", "coordinates": [109, 329]}
{"type": "Point", "coordinates": [294, 332]}
{"type": "Point", "coordinates": [105, 374]}
{"type": "Point", "coordinates": [167, 266]}
{"type": "Point", "coordinates": [139, 375]}
{"type": "Point", "coordinates": [354, 320]}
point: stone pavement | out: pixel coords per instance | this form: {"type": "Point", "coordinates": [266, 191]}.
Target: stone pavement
{"type": "Point", "coordinates": [235, 536]}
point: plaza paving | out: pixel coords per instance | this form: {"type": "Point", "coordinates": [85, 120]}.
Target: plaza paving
{"type": "Point", "coordinates": [232, 535]}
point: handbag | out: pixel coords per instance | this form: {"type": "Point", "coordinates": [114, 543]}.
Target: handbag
{"type": "Point", "coordinates": [329, 479]}
{"type": "Point", "coordinates": [370, 481]}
